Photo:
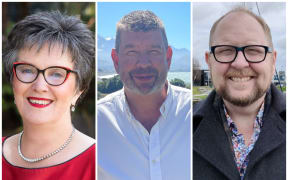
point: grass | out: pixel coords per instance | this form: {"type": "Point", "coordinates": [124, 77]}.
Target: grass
{"type": "Point", "coordinates": [283, 88]}
{"type": "Point", "coordinates": [196, 90]}
{"type": "Point", "coordinates": [197, 93]}
{"type": "Point", "coordinates": [202, 97]}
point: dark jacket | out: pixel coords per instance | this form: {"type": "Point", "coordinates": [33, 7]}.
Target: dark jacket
{"type": "Point", "coordinates": [213, 157]}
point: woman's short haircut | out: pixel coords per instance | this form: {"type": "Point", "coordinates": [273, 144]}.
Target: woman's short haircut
{"type": "Point", "coordinates": [53, 28]}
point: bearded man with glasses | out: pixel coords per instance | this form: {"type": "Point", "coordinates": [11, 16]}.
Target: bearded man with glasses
{"type": "Point", "coordinates": [239, 130]}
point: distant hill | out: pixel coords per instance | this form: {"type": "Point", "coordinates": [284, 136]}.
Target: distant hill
{"type": "Point", "coordinates": [180, 59]}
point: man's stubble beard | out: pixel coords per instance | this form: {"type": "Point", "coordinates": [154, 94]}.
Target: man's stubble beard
{"type": "Point", "coordinates": [145, 88]}
{"type": "Point", "coordinates": [255, 94]}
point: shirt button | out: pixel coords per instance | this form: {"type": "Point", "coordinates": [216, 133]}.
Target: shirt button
{"type": "Point", "coordinates": [154, 161]}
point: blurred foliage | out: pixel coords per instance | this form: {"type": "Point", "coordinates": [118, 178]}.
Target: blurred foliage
{"type": "Point", "coordinates": [100, 95]}
{"type": "Point", "coordinates": [110, 85]}
{"type": "Point", "coordinates": [84, 116]}
{"type": "Point", "coordinates": [283, 88]}
{"type": "Point", "coordinates": [178, 82]}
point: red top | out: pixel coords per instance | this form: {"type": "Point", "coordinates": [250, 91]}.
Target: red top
{"type": "Point", "coordinates": [81, 167]}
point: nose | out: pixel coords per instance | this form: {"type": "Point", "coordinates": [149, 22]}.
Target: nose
{"type": "Point", "coordinates": [40, 85]}
{"type": "Point", "coordinates": [240, 61]}
{"type": "Point", "coordinates": [143, 60]}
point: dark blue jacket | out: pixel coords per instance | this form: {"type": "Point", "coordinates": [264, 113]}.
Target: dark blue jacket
{"type": "Point", "coordinates": [212, 154]}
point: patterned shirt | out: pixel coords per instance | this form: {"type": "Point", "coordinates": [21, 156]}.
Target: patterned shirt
{"type": "Point", "coordinates": [240, 149]}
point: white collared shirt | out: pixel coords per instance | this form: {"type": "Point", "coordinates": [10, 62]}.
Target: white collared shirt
{"type": "Point", "coordinates": [126, 150]}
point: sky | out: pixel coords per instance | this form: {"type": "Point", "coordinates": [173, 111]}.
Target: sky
{"type": "Point", "coordinates": [205, 14]}
{"type": "Point", "coordinates": [175, 16]}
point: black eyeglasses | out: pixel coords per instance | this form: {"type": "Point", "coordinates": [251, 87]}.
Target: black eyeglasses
{"type": "Point", "coordinates": [228, 53]}
{"type": "Point", "coordinates": [54, 75]}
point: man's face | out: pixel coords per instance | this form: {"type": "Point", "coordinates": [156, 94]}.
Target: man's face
{"type": "Point", "coordinates": [240, 82]}
{"type": "Point", "coordinates": [142, 61]}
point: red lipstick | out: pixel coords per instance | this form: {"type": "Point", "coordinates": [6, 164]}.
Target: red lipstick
{"type": "Point", "coordinates": [39, 102]}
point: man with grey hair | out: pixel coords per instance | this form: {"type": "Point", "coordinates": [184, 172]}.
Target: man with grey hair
{"type": "Point", "coordinates": [239, 130]}
{"type": "Point", "coordinates": [144, 129]}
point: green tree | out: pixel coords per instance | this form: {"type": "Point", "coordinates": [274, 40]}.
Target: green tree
{"type": "Point", "coordinates": [178, 82]}
{"type": "Point", "coordinates": [110, 85]}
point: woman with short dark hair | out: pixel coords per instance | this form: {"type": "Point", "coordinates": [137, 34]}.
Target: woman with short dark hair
{"type": "Point", "coordinates": [49, 60]}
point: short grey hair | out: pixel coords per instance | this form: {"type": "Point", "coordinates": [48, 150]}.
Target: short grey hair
{"type": "Point", "coordinates": [53, 28]}
{"type": "Point", "coordinates": [140, 21]}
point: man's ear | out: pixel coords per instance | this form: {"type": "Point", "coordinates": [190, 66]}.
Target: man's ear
{"type": "Point", "coordinates": [115, 59]}
{"type": "Point", "coordinates": [169, 54]}
{"type": "Point", "coordinates": [274, 57]}
{"type": "Point", "coordinates": [207, 54]}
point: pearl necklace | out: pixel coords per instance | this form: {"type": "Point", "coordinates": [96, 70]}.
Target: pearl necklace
{"type": "Point", "coordinates": [47, 155]}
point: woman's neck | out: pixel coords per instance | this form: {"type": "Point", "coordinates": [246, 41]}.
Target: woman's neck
{"type": "Point", "coordinates": [42, 139]}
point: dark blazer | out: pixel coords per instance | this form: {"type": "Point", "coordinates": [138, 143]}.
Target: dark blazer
{"type": "Point", "coordinates": [213, 157]}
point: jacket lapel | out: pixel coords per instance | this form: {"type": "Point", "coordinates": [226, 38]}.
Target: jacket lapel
{"type": "Point", "coordinates": [211, 143]}
{"type": "Point", "coordinates": [271, 137]}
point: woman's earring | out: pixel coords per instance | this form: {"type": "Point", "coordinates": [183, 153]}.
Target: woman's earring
{"type": "Point", "coordinates": [72, 108]}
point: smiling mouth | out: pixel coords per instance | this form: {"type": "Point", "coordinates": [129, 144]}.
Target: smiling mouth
{"type": "Point", "coordinates": [39, 102]}
{"type": "Point", "coordinates": [240, 79]}
{"type": "Point", "coordinates": [143, 77]}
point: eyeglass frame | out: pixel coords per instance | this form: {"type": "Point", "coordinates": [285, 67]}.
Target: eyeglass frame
{"type": "Point", "coordinates": [68, 71]}
{"type": "Point", "coordinates": [267, 50]}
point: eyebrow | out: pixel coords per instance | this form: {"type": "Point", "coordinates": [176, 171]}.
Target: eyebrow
{"type": "Point", "coordinates": [21, 61]}
{"type": "Point", "coordinates": [127, 46]}
{"type": "Point", "coordinates": [157, 46]}
{"type": "Point", "coordinates": [132, 46]}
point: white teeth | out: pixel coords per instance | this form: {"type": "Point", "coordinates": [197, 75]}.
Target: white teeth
{"type": "Point", "coordinates": [238, 79]}
{"type": "Point", "coordinates": [41, 102]}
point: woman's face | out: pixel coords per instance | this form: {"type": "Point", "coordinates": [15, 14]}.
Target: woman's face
{"type": "Point", "coordinates": [38, 102]}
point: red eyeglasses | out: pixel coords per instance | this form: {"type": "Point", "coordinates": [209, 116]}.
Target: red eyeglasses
{"type": "Point", "coordinates": [54, 75]}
